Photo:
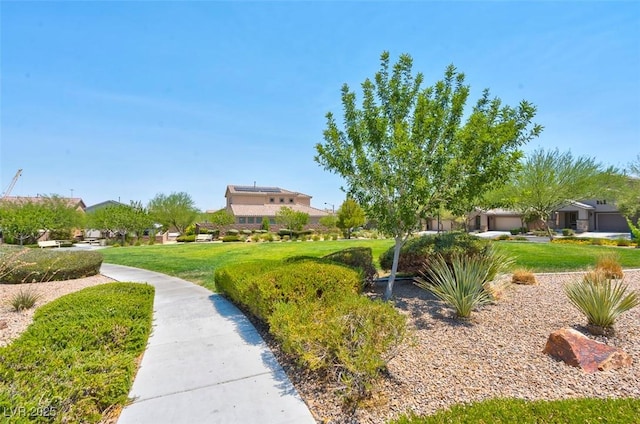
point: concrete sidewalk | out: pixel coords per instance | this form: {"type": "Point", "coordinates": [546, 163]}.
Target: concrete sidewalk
{"type": "Point", "coordinates": [204, 362]}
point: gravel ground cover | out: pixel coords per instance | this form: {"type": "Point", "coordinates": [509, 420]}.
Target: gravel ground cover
{"type": "Point", "coordinates": [497, 354]}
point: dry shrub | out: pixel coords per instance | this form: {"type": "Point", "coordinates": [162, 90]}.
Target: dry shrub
{"type": "Point", "coordinates": [609, 265]}
{"type": "Point", "coordinates": [524, 276]}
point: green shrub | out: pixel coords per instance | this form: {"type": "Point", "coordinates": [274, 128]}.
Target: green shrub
{"type": "Point", "coordinates": [24, 299]}
{"type": "Point", "coordinates": [420, 250]}
{"type": "Point", "coordinates": [266, 225]}
{"type": "Point", "coordinates": [232, 232]}
{"type": "Point", "coordinates": [601, 299]}
{"type": "Point", "coordinates": [360, 258]}
{"type": "Point", "coordinates": [597, 242]}
{"type": "Point", "coordinates": [567, 232]}
{"type": "Point", "coordinates": [186, 238]}
{"type": "Point", "coordinates": [267, 237]}
{"type": "Point", "coordinates": [246, 232]}
{"type": "Point", "coordinates": [78, 358]}
{"type": "Point", "coordinates": [286, 238]}
{"type": "Point", "coordinates": [503, 237]}
{"type": "Point", "coordinates": [231, 238]}
{"type": "Point", "coordinates": [353, 339]}
{"type": "Point", "coordinates": [515, 231]}
{"type": "Point", "coordinates": [40, 265]}
{"type": "Point", "coordinates": [285, 232]}
{"type": "Point", "coordinates": [316, 237]}
{"type": "Point", "coordinates": [460, 285]}
{"type": "Point", "coordinates": [623, 242]}
{"type": "Point", "coordinates": [256, 238]}
{"type": "Point", "coordinates": [236, 282]}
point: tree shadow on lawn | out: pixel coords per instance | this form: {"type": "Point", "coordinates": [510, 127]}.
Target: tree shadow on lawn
{"type": "Point", "coordinates": [419, 304]}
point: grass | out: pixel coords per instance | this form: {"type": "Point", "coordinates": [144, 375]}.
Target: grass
{"type": "Point", "coordinates": [507, 411]}
{"type": "Point", "coordinates": [76, 362]}
{"type": "Point", "coordinates": [552, 257]}
{"type": "Point", "coordinates": [198, 262]}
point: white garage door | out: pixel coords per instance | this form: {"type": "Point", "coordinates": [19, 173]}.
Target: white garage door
{"type": "Point", "coordinates": [611, 222]}
{"type": "Point", "coordinates": [506, 223]}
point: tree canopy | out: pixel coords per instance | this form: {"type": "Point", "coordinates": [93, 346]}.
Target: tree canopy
{"type": "Point", "coordinates": [292, 220]}
{"type": "Point", "coordinates": [407, 151]}
{"type": "Point", "coordinates": [549, 180]}
{"type": "Point", "coordinates": [176, 210]}
{"type": "Point", "coordinates": [350, 215]}
{"type": "Point", "coordinates": [628, 196]}
{"type": "Point", "coordinates": [121, 219]}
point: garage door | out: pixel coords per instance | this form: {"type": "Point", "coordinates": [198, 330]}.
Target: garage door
{"type": "Point", "coordinates": [506, 223]}
{"type": "Point", "coordinates": [611, 222]}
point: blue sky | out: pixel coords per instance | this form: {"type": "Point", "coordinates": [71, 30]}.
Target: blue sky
{"type": "Point", "coordinates": [124, 100]}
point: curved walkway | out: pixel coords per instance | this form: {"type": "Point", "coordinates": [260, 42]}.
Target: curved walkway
{"type": "Point", "coordinates": [204, 362]}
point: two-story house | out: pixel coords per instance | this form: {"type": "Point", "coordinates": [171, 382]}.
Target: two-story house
{"type": "Point", "coordinates": [251, 204]}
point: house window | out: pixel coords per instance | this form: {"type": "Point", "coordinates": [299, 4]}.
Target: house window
{"type": "Point", "coordinates": [250, 220]}
{"type": "Point", "coordinates": [272, 221]}
{"type": "Point", "coordinates": [282, 200]}
{"type": "Point", "coordinates": [271, 200]}
{"type": "Point", "coordinates": [258, 220]}
{"type": "Point", "coordinates": [242, 220]}
{"type": "Point", "coordinates": [601, 202]}
{"type": "Point", "coordinates": [290, 200]}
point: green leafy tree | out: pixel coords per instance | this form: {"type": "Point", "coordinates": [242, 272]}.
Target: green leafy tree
{"type": "Point", "coordinates": [22, 221]}
{"type": "Point", "coordinates": [266, 224]}
{"type": "Point", "coordinates": [330, 222]}
{"type": "Point", "coordinates": [121, 220]}
{"type": "Point", "coordinates": [350, 215]}
{"type": "Point", "coordinates": [549, 180]}
{"type": "Point", "coordinates": [62, 218]}
{"type": "Point", "coordinates": [292, 220]}
{"type": "Point", "coordinates": [408, 150]}
{"type": "Point", "coordinates": [628, 197]}
{"type": "Point", "coordinates": [176, 210]}
{"type": "Point", "coordinates": [220, 218]}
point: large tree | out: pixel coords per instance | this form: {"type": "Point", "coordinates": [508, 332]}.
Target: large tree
{"type": "Point", "coordinates": [549, 180]}
{"type": "Point", "coordinates": [628, 197]}
{"type": "Point", "coordinates": [408, 150]}
{"type": "Point", "coordinates": [177, 210]}
{"type": "Point", "coordinates": [350, 215]}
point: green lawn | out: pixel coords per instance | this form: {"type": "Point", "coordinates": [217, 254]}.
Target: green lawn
{"type": "Point", "coordinates": [554, 257]}
{"type": "Point", "coordinates": [197, 262]}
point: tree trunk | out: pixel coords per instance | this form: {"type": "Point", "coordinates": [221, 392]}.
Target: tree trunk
{"type": "Point", "coordinates": [394, 268]}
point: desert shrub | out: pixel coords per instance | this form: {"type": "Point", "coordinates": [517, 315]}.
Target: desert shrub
{"type": "Point", "coordinates": [352, 339]}
{"type": "Point", "coordinates": [459, 282]}
{"type": "Point", "coordinates": [601, 299]}
{"type": "Point", "coordinates": [246, 232]}
{"type": "Point", "coordinates": [360, 258]}
{"type": "Point", "coordinates": [623, 242]}
{"type": "Point", "coordinates": [609, 264]}
{"type": "Point", "coordinates": [523, 276]}
{"type": "Point", "coordinates": [567, 232]}
{"type": "Point", "coordinates": [190, 230]}
{"type": "Point", "coordinates": [316, 237]}
{"type": "Point", "coordinates": [231, 238]}
{"type": "Point", "coordinates": [24, 299]}
{"type": "Point", "coordinates": [503, 237]}
{"type": "Point", "coordinates": [186, 238]}
{"type": "Point", "coordinates": [40, 265]}
{"type": "Point", "coordinates": [267, 237]}
{"type": "Point", "coordinates": [78, 358]}
{"type": "Point", "coordinates": [597, 242]}
{"type": "Point", "coordinates": [236, 281]}
{"type": "Point", "coordinates": [285, 232]}
{"type": "Point", "coordinates": [256, 238]}
{"type": "Point", "coordinates": [232, 232]}
{"type": "Point", "coordinates": [572, 240]}
{"type": "Point", "coordinates": [420, 250]}
{"type": "Point", "coordinates": [285, 238]}
{"type": "Point", "coordinates": [334, 236]}
{"type": "Point", "coordinates": [521, 238]}
{"type": "Point", "coordinates": [515, 231]}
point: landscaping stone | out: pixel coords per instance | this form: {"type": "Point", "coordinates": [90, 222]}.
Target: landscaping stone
{"type": "Point", "coordinates": [577, 350]}
{"type": "Point", "coordinates": [3, 324]}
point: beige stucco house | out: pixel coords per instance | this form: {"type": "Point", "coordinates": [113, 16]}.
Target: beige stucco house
{"type": "Point", "coordinates": [251, 204]}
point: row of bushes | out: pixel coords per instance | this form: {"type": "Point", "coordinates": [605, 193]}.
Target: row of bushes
{"type": "Point", "coordinates": [595, 241]}
{"type": "Point", "coordinates": [34, 266]}
{"type": "Point", "coordinates": [315, 310]}
{"type": "Point", "coordinates": [76, 362]}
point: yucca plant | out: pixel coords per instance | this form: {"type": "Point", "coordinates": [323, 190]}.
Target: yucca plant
{"type": "Point", "coordinates": [24, 299]}
{"type": "Point", "coordinates": [460, 285]}
{"type": "Point", "coordinates": [601, 299]}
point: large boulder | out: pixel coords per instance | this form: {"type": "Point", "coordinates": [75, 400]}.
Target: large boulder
{"type": "Point", "coordinates": [577, 350]}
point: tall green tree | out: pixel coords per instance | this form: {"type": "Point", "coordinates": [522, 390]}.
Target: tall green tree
{"type": "Point", "coordinates": [22, 221]}
{"type": "Point", "coordinates": [350, 215]}
{"type": "Point", "coordinates": [62, 217]}
{"type": "Point", "coordinates": [330, 222]}
{"type": "Point", "coordinates": [220, 218]}
{"type": "Point", "coordinates": [176, 210]}
{"type": "Point", "coordinates": [292, 220]}
{"type": "Point", "coordinates": [409, 150]}
{"type": "Point", "coordinates": [628, 197]}
{"type": "Point", "coordinates": [549, 180]}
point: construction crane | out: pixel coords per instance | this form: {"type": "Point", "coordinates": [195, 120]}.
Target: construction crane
{"type": "Point", "coordinates": [7, 192]}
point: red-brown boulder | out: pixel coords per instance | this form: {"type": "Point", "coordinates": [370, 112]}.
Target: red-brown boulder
{"type": "Point", "coordinates": [577, 350]}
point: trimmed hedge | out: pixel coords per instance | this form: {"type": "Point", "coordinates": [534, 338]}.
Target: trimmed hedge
{"type": "Point", "coordinates": [419, 251]}
{"type": "Point", "coordinates": [360, 258]}
{"type": "Point", "coordinates": [77, 360]}
{"type": "Point", "coordinates": [40, 265]}
{"type": "Point", "coordinates": [314, 310]}
{"type": "Point", "coordinates": [187, 238]}
{"type": "Point", "coordinates": [231, 238]}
